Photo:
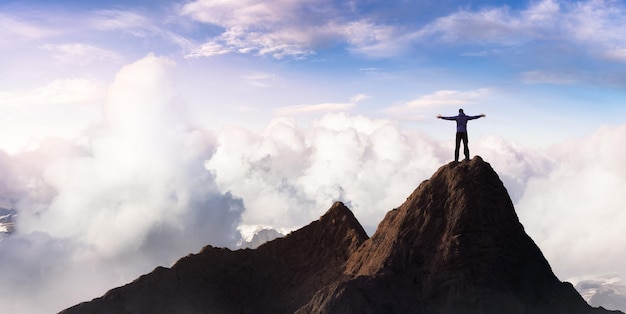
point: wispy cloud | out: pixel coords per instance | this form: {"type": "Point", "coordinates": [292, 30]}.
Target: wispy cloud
{"type": "Point", "coordinates": [259, 79]}
{"type": "Point", "coordinates": [281, 28]}
{"type": "Point", "coordinates": [594, 26]}
{"type": "Point", "coordinates": [498, 25]}
{"type": "Point", "coordinates": [77, 53]}
{"type": "Point", "coordinates": [540, 77]}
{"type": "Point", "coordinates": [127, 21]}
{"type": "Point", "coordinates": [77, 91]}
{"type": "Point", "coordinates": [13, 29]}
{"type": "Point", "coordinates": [320, 108]}
{"type": "Point", "coordinates": [137, 24]}
{"type": "Point", "coordinates": [438, 99]}
{"type": "Point", "coordinates": [317, 108]}
{"type": "Point", "coordinates": [249, 26]}
{"type": "Point", "coordinates": [616, 54]}
{"type": "Point", "coordinates": [209, 49]}
{"type": "Point", "coordinates": [376, 40]}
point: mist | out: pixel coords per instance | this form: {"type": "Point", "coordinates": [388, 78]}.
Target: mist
{"type": "Point", "coordinates": [129, 195]}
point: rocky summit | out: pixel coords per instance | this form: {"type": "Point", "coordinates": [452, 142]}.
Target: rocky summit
{"type": "Point", "coordinates": [455, 246]}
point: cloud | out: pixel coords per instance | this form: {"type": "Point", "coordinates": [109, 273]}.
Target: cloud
{"type": "Point", "coordinates": [303, 109]}
{"type": "Point", "coordinates": [593, 27]}
{"type": "Point", "coordinates": [209, 49]}
{"type": "Point", "coordinates": [288, 175]}
{"type": "Point", "coordinates": [596, 22]}
{"type": "Point", "coordinates": [542, 77]}
{"type": "Point", "coordinates": [76, 91]}
{"type": "Point", "coordinates": [607, 291]}
{"type": "Point", "coordinates": [144, 188]}
{"type": "Point", "coordinates": [136, 24]}
{"type": "Point", "coordinates": [262, 26]}
{"type": "Point", "coordinates": [263, 80]}
{"type": "Point", "coordinates": [14, 30]}
{"type": "Point", "coordinates": [438, 99]}
{"type": "Point", "coordinates": [54, 29]}
{"type": "Point", "coordinates": [576, 209]}
{"type": "Point", "coordinates": [498, 25]}
{"type": "Point", "coordinates": [358, 98]}
{"type": "Point", "coordinates": [375, 40]}
{"type": "Point", "coordinates": [569, 198]}
{"type": "Point", "coordinates": [113, 20]}
{"type": "Point", "coordinates": [616, 54]}
{"type": "Point", "coordinates": [515, 164]}
{"type": "Point", "coordinates": [81, 54]}
{"type": "Point", "coordinates": [132, 195]}
{"type": "Point", "coordinates": [282, 28]}
{"type": "Point", "coordinates": [324, 107]}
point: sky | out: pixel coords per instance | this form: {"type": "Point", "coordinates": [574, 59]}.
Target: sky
{"type": "Point", "coordinates": [134, 132]}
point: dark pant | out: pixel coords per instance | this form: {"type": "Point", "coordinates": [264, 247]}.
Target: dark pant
{"type": "Point", "coordinates": [461, 136]}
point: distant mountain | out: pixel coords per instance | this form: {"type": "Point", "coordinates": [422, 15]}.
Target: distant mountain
{"type": "Point", "coordinates": [7, 220]}
{"type": "Point", "coordinates": [260, 236]}
{"type": "Point", "coordinates": [455, 246]}
{"type": "Point", "coordinates": [607, 291]}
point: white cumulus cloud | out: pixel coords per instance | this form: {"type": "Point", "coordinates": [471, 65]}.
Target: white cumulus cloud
{"type": "Point", "coordinates": [575, 210]}
{"type": "Point", "coordinates": [132, 195]}
{"type": "Point", "coordinates": [289, 174]}
{"type": "Point", "coordinates": [569, 198]}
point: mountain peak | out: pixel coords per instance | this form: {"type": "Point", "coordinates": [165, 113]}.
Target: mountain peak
{"type": "Point", "coordinates": [338, 209]}
{"type": "Point", "coordinates": [454, 246]}
{"type": "Point", "coordinates": [462, 203]}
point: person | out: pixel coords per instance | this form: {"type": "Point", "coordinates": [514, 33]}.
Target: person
{"type": "Point", "coordinates": [461, 132]}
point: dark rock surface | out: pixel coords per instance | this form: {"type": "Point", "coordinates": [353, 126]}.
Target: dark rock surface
{"type": "Point", "coordinates": [277, 277]}
{"type": "Point", "coordinates": [455, 246]}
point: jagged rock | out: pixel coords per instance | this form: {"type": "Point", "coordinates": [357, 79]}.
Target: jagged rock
{"type": "Point", "coordinates": [278, 277]}
{"type": "Point", "coordinates": [455, 246]}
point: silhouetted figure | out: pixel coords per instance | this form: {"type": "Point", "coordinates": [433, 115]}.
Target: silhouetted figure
{"type": "Point", "coordinates": [461, 132]}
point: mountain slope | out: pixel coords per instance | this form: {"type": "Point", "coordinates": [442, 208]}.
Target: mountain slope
{"type": "Point", "coordinates": [455, 246]}
{"type": "Point", "coordinates": [278, 277]}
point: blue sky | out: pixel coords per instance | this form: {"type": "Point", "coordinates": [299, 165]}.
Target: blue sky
{"type": "Point", "coordinates": [544, 65]}
{"type": "Point", "coordinates": [175, 124]}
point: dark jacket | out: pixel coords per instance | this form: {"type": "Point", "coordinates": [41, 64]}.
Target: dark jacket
{"type": "Point", "coordinates": [461, 121]}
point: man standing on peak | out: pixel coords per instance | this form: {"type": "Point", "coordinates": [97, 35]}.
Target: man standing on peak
{"type": "Point", "coordinates": [461, 132]}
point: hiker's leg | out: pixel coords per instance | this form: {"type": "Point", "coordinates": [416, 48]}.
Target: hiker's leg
{"type": "Point", "coordinates": [458, 143]}
{"type": "Point", "coordinates": [466, 148]}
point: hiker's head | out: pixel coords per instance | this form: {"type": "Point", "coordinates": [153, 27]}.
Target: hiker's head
{"type": "Point", "coordinates": [460, 111]}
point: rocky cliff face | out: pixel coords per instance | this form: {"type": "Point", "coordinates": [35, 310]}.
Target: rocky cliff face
{"type": "Point", "coordinates": [455, 246]}
{"type": "Point", "coordinates": [277, 277]}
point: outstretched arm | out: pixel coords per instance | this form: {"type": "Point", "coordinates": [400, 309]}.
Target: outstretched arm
{"type": "Point", "coordinates": [445, 118]}
{"type": "Point", "coordinates": [476, 117]}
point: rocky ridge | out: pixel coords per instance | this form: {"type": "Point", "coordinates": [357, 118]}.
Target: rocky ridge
{"type": "Point", "coordinates": [455, 246]}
